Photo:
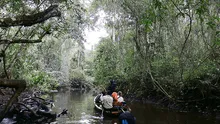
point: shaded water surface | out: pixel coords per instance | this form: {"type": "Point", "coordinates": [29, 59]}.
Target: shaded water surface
{"type": "Point", "coordinates": [150, 114]}
{"type": "Point", "coordinates": [81, 109]}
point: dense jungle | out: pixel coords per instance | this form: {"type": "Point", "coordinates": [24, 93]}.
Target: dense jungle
{"type": "Point", "coordinates": [163, 52]}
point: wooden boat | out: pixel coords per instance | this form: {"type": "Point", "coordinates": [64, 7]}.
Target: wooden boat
{"type": "Point", "coordinates": [116, 111]}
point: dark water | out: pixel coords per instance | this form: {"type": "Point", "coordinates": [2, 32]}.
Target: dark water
{"type": "Point", "coordinates": [150, 114]}
{"type": "Point", "coordinates": [81, 109]}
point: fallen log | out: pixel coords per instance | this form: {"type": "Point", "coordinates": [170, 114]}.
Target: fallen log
{"type": "Point", "coordinates": [19, 85]}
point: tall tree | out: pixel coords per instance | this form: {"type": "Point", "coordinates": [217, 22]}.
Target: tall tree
{"type": "Point", "coordinates": [173, 42]}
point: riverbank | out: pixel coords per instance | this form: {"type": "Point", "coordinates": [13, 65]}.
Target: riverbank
{"type": "Point", "coordinates": [199, 94]}
{"type": "Point", "coordinates": [32, 106]}
{"type": "Point", "coordinates": [162, 102]}
{"type": "Point", "coordinates": [80, 109]}
{"type": "Point", "coordinates": [78, 102]}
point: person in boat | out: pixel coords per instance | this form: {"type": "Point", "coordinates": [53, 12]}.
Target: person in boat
{"type": "Point", "coordinates": [99, 97]}
{"type": "Point", "coordinates": [127, 118]}
{"type": "Point", "coordinates": [120, 98]}
{"type": "Point", "coordinates": [107, 101]}
{"type": "Point", "coordinates": [116, 102]}
{"type": "Point", "coordinates": [112, 87]}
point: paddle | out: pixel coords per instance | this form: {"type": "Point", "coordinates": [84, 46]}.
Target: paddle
{"type": "Point", "coordinates": [122, 110]}
{"type": "Point", "coordinates": [102, 117]}
{"type": "Point", "coordinates": [128, 108]}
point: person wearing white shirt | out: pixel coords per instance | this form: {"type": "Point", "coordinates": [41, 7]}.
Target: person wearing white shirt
{"type": "Point", "coordinates": [107, 101]}
{"type": "Point", "coordinates": [120, 98]}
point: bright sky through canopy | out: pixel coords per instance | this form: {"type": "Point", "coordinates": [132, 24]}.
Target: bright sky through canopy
{"type": "Point", "coordinates": [93, 36]}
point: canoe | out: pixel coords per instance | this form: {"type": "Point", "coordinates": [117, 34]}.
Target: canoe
{"type": "Point", "coordinates": [115, 111]}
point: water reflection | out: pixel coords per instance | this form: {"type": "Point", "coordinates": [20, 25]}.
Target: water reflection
{"type": "Point", "coordinates": [81, 108]}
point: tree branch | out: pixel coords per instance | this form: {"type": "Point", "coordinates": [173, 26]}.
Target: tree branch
{"type": "Point", "coordinates": [32, 111]}
{"type": "Point", "coordinates": [187, 36]}
{"type": "Point", "coordinates": [5, 41]}
{"type": "Point", "coordinates": [190, 27]}
{"type": "Point", "coordinates": [18, 84]}
{"type": "Point", "coordinates": [177, 7]}
{"type": "Point", "coordinates": [29, 20]}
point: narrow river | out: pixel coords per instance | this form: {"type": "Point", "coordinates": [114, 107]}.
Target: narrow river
{"type": "Point", "coordinates": [81, 111]}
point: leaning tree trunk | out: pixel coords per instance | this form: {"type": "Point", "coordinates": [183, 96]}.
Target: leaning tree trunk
{"type": "Point", "coordinates": [19, 85]}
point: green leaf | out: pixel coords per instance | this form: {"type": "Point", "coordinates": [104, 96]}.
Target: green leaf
{"type": "Point", "coordinates": [211, 24]}
{"type": "Point", "coordinates": [158, 4]}
{"type": "Point", "coordinates": [217, 41]}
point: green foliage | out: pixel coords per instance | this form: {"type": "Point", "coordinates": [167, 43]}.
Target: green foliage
{"type": "Point", "coordinates": [201, 70]}
{"type": "Point", "coordinates": [78, 74]}
{"type": "Point", "coordinates": [162, 47]}
{"type": "Point", "coordinates": [38, 63]}
{"type": "Point", "coordinates": [41, 80]}
{"type": "Point", "coordinates": [105, 61]}
{"type": "Point", "coordinates": [166, 67]}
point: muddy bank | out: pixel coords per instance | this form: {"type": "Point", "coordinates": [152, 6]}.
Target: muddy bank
{"type": "Point", "coordinates": [30, 107]}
